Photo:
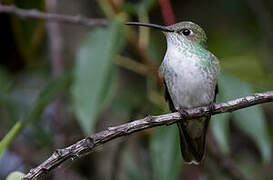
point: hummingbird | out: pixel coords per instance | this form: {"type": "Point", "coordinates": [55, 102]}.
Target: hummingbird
{"type": "Point", "coordinates": [189, 71]}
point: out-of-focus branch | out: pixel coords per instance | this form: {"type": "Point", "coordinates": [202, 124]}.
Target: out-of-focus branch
{"type": "Point", "coordinates": [32, 13]}
{"type": "Point", "coordinates": [55, 40]}
{"type": "Point", "coordinates": [56, 51]}
{"type": "Point", "coordinates": [167, 12]}
{"type": "Point", "coordinates": [131, 64]}
{"type": "Point", "coordinates": [143, 54]}
{"type": "Point", "coordinates": [144, 32]}
{"type": "Point", "coordinates": [85, 146]}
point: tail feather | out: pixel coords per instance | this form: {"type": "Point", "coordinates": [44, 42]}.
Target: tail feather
{"type": "Point", "coordinates": [192, 134]}
{"type": "Point", "coordinates": [193, 139]}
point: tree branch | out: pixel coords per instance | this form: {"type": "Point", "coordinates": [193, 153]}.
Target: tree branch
{"type": "Point", "coordinates": [85, 146]}
{"type": "Point", "coordinates": [32, 13]}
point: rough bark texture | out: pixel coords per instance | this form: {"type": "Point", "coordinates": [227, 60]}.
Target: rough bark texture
{"type": "Point", "coordinates": [86, 145]}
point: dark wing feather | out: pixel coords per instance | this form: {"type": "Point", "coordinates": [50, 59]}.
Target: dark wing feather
{"type": "Point", "coordinates": [192, 149]}
{"type": "Point", "coordinates": [168, 98]}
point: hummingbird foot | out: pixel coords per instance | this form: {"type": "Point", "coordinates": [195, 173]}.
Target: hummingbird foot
{"type": "Point", "coordinates": [183, 113]}
{"type": "Point", "coordinates": [211, 109]}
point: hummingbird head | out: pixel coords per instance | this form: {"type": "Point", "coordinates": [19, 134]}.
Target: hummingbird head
{"type": "Point", "coordinates": [181, 33]}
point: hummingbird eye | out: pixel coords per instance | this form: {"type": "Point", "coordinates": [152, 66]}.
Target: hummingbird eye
{"type": "Point", "coordinates": [186, 32]}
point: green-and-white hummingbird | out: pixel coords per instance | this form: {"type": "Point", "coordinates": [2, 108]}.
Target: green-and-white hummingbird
{"type": "Point", "coordinates": [190, 75]}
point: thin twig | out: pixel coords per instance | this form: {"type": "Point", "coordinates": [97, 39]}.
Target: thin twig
{"type": "Point", "coordinates": [33, 13]}
{"type": "Point", "coordinates": [85, 146]}
{"type": "Point", "coordinates": [131, 64]}
{"type": "Point", "coordinates": [56, 43]}
{"type": "Point", "coordinates": [56, 51]}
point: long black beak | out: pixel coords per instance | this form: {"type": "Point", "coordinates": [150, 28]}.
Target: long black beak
{"type": "Point", "coordinates": [162, 28]}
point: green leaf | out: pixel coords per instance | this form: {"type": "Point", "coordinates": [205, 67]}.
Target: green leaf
{"type": "Point", "coordinates": [249, 120]}
{"type": "Point", "coordinates": [241, 66]}
{"type": "Point", "coordinates": [15, 176]}
{"type": "Point", "coordinates": [165, 152]}
{"type": "Point", "coordinates": [219, 125]}
{"type": "Point", "coordinates": [109, 88]}
{"type": "Point", "coordinates": [93, 67]}
{"type": "Point", "coordinates": [220, 122]}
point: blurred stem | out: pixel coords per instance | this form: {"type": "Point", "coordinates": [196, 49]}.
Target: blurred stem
{"type": "Point", "coordinates": [38, 35]}
{"type": "Point", "coordinates": [46, 96]}
{"type": "Point", "coordinates": [142, 53]}
{"type": "Point", "coordinates": [10, 136]}
{"type": "Point", "coordinates": [154, 96]}
{"type": "Point", "coordinates": [27, 47]}
{"type": "Point", "coordinates": [144, 32]}
{"type": "Point", "coordinates": [131, 38]}
{"type": "Point", "coordinates": [56, 51]}
{"type": "Point", "coordinates": [56, 44]}
{"type": "Point", "coordinates": [40, 30]}
{"type": "Point", "coordinates": [167, 12]}
{"type": "Point", "coordinates": [130, 64]}
{"type": "Point", "coordinates": [157, 99]}
{"type": "Point", "coordinates": [107, 9]}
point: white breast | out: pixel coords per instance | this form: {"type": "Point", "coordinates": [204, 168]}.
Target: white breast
{"type": "Point", "coordinates": [187, 84]}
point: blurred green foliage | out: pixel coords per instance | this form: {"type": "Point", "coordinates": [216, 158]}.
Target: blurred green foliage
{"type": "Point", "coordinates": [94, 65]}
{"type": "Point", "coordinates": [250, 120]}
{"type": "Point", "coordinates": [47, 95]}
{"type": "Point", "coordinates": [165, 152]}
